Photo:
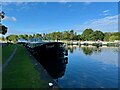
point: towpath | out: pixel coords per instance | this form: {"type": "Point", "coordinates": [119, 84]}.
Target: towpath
{"type": "Point", "coordinates": [9, 59]}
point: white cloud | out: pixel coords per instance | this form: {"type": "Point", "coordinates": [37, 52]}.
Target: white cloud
{"type": "Point", "coordinates": [106, 11]}
{"type": "Point", "coordinates": [7, 18]}
{"type": "Point", "coordinates": [106, 14]}
{"type": "Point", "coordinates": [106, 24]}
{"type": "Point", "coordinates": [13, 18]}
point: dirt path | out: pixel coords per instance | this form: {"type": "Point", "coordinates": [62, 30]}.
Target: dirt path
{"type": "Point", "coordinates": [8, 60]}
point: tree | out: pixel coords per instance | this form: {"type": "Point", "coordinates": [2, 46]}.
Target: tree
{"type": "Point", "coordinates": [75, 36]}
{"type": "Point", "coordinates": [30, 36]}
{"type": "Point", "coordinates": [86, 35]}
{"type": "Point", "coordinates": [3, 29]}
{"type": "Point", "coordinates": [58, 35]}
{"type": "Point", "coordinates": [97, 35]}
{"type": "Point", "coordinates": [26, 37]}
{"type": "Point", "coordinates": [86, 32]}
{"type": "Point", "coordinates": [37, 35]}
{"type": "Point", "coordinates": [3, 38]}
{"type": "Point", "coordinates": [107, 36]}
{"type": "Point", "coordinates": [44, 36]}
{"type": "Point", "coordinates": [66, 35]}
{"type": "Point", "coordinates": [2, 14]}
{"type": "Point", "coordinates": [23, 36]}
{"type": "Point", "coordinates": [116, 34]}
{"type": "Point", "coordinates": [113, 38]}
{"type": "Point", "coordinates": [79, 37]}
{"type": "Point", "coordinates": [13, 38]}
{"type": "Point", "coordinates": [71, 34]}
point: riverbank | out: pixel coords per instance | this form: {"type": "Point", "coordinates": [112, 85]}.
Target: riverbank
{"type": "Point", "coordinates": [23, 71]}
{"type": "Point", "coordinates": [44, 74]}
{"type": "Point", "coordinates": [94, 43]}
{"type": "Point", "coordinates": [7, 50]}
{"type": "Point", "coordinates": [89, 42]}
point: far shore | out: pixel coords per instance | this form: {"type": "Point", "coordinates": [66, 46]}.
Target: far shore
{"type": "Point", "coordinates": [73, 42]}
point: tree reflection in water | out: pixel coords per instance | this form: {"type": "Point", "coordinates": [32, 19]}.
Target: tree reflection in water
{"type": "Point", "coordinates": [91, 50]}
{"type": "Point", "coordinates": [86, 49]}
{"type": "Point", "coordinates": [71, 48]}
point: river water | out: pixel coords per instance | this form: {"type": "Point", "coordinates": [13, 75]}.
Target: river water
{"type": "Point", "coordinates": [91, 67]}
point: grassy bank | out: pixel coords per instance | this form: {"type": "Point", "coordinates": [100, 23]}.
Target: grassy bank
{"type": "Point", "coordinates": [7, 51]}
{"type": "Point", "coordinates": [20, 72]}
{"type": "Point", "coordinates": [0, 54]}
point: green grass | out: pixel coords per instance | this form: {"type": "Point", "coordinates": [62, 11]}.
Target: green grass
{"type": "Point", "coordinates": [6, 52]}
{"type": "Point", "coordinates": [0, 54]}
{"type": "Point", "coordinates": [20, 73]}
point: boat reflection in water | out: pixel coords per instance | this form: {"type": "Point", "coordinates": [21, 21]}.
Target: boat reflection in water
{"type": "Point", "coordinates": [53, 58]}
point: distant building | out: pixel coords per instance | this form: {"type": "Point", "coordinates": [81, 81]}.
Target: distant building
{"type": "Point", "coordinates": [22, 40]}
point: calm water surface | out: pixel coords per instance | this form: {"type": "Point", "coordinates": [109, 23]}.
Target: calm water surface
{"type": "Point", "coordinates": [91, 67]}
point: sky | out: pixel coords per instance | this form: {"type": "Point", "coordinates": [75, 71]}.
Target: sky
{"type": "Point", "coordinates": [46, 17]}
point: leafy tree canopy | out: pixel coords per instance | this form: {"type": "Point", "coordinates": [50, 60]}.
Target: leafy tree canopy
{"type": "Point", "coordinates": [3, 29]}
{"type": "Point", "coordinates": [87, 32]}
{"type": "Point", "coordinates": [13, 38]}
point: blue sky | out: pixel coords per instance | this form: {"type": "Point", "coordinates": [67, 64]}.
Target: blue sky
{"type": "Point", "coordinates": [45, 17]}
